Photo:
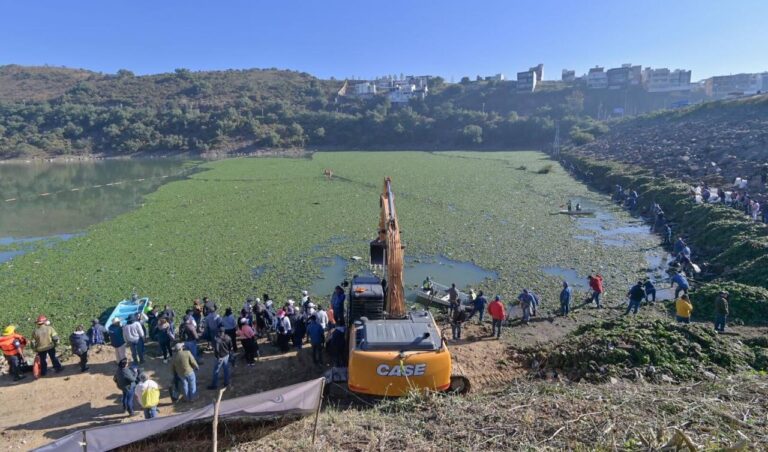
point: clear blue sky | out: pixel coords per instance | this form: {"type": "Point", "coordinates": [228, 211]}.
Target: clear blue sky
{"type": "Point", "coordinates": [369, 38]}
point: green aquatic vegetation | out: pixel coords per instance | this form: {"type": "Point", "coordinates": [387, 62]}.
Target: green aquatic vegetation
{"type": "Point", "coordinates": [748, 304]}
{"type": "Point", "coordinates": [243, 227]}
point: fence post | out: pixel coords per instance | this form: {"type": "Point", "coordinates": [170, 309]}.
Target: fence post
{"type": "Point", "coordinates": [216, 405]}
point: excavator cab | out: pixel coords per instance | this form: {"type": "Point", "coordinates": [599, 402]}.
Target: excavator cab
{"type": "Point", "coordinates": [378, 252]}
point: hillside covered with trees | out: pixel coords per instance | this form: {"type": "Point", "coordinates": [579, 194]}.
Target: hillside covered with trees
{"type": "Point", "coordinates": [47, 111]}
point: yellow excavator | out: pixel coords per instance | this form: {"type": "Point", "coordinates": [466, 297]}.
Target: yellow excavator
{"type": "Point", "coordinates": [393, 351]}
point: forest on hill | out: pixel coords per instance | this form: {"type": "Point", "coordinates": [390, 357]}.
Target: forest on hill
{"type": "Point", "coordinates": [47, 111]}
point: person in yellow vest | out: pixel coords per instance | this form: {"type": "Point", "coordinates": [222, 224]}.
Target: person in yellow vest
{"type": "Point", "coordinates": [45, 339]}
{"type": "Point", "coordinates": [12, 344]}
{"type": "Point", "coordinates": [684, 308]}
{"type": "Point", "coordinates": [148, 393]}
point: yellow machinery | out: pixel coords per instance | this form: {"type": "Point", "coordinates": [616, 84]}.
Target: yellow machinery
{"type": "Point", "coordinates": [391, 351]}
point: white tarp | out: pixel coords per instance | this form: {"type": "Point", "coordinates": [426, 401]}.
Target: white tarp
{"type": "Point", "coordinates": [302, 398]}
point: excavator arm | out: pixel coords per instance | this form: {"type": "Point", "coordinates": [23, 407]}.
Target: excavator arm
{"type": "Point", "coordinates": [387, 250]}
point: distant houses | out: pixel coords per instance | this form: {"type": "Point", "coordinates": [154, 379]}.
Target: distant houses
{"type": "Point", "coordinates": [398, 90]}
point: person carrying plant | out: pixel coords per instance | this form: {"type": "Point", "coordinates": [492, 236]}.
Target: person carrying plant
{"type": "Point", "coordinates": [79, 342]}
{"type": "Point", "coordinates": [636, 295]}
{"type": "Point", "coordinates": [12, 345]}
{"type": "Point", "coordinates": [527, 305]}
{"type": "Point", "coordinates": [721, 311]}
{"type": "Point", "coordinates": [683, 308]}
{"type": "Point", "coordinates": [650, 291]}
{"type": "Point", "coordinates": [45, 339]}
{"type": "Point", "coordinates": [496, 310]}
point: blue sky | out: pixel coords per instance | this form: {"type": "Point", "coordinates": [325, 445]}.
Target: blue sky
{"type": "Point", "coordinates": [368, 38]}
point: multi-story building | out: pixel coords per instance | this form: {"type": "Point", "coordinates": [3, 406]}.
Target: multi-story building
{"type": "Point", "coordinates": [663, 80]}
{"type": "Point", "coordinates": [365, 90]}
{"type": "Point", "coordinates": [597, 78]}
{"type": "Point", "coordinates": [526, 81]}
{"type": "Point", "coordinates": [568, 76]}
{"type": "Point", "coordinates": [402, 93]}
{"type": "Point", "coordinates": [734, 85]}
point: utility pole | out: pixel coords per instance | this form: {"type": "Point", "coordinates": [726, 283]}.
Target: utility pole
{"type": "Point", "coordinates": [556, 144]}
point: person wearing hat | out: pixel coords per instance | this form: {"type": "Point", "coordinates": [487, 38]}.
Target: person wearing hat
{"type": "Point", "coordinates": [79, 343]}
{"type": "Point", "coordinates": [222, 349]}
{"type": "Point", "coordinates": [45, 339]}
{"type": "Point", "coordinates": [184, 366]}
{"type": "Point", "coordinates": [496, 310]}
{"type": "Point", "coordinates": [247, 337]}
{"type": "Point", "coordinates": [304, 297]}
{"type": "Point", "coordinates": [117, 339]}
{"type": "Point", "coordinates": [683, 308]}
{"type": "Point", "coordinates": [12, 345]}
{"type": "Point", "coordinates": [133, 333]}
{"type": "Point", "coordinates": [721, 311]}
{"type": "Point", "coordinates": [97, 333]}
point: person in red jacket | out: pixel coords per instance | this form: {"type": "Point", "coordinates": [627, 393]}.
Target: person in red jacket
{"type": "Point", "coordinates": [596, 283]}
{"type": "Point", "coordinates": [12, 344]}
{"type": "Point", "coordinates": [496, 310]}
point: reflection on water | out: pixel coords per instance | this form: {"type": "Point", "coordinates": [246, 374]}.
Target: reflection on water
{"type": "Point", "coordinates": [569, 275]}
{"type": "Point", "coordinates": [71, 203]}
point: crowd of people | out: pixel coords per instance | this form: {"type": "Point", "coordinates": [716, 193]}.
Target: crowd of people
{"type": "Point", "coordinates": [738, 198]}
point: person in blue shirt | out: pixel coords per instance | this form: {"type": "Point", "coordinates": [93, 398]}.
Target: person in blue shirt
{"type": "Point", "coordinates": [117, 340]}
{"type": "Point", "coordinates": [679, 245]}
{"type": "Point", "coordinates": [650, 291]}
{"type": "Point", "coordinates": [565, 299]}
{"type": "Point", "coordinates": [478, 306]}
{"type": "Point", "coordinates": [682, 284]}
{"type": "Point", "coordinates": [317, 339]}
{"type": "Point", "coordinates": [337, 303]}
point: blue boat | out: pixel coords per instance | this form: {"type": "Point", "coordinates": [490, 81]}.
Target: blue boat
{"type": "Point", "coordinates": [126, 308]}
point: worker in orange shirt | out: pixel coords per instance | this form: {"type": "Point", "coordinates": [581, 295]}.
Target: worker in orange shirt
{"type": "Point", "coordinates": [496, 310]}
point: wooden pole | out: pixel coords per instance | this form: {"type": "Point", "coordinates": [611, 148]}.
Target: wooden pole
{"type": "Point", "coordinates": [317, 413]}
{"type": "Point", "coordinates": [216, 405]}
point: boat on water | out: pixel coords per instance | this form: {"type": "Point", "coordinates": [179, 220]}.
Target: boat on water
{"type": "Point", "coordinates": [577, 212]}
{"type": "Point", "coordinates": [439, 296]}
{"type": "Point", "coordinates": [126, 308]}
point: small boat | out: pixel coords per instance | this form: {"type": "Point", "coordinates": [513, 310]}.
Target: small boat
{"type": "Point", "coordinates": [439, 296]}
{"type": "Point", "coordinates": [126, 308]}
{"type": "Point", "coordinates": [577, 212]}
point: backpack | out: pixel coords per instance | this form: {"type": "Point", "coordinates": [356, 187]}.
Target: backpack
{"type": "Point", "coordinates": [150, 397]}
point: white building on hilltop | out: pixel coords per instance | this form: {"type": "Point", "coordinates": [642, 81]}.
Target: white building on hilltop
{"type": "Point", "coordinates": [663, 80]}
{"type": "Point", "coordinates": [597, 78]}
{"type": "Point", "coordinates": [735, 85]}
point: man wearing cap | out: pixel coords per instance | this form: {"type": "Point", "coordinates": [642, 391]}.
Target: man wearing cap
{"type": "Point", "coordinates": [721, 311]}
{"type": "Point", "coordinates": [184, 366]}
{"type": "Point", "coordinates": [133, 333]}
{"type": "Point", "coordinates": [117, 339]}
{"type": "Point", "coordinates": [12, 344]}
{"type": "Point", "coordinates": [45, 339]}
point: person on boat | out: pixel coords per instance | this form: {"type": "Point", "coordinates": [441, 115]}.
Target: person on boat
{"type": "Point", "coordinates": [229, 323]}
{"type": "Point", "coordinates": [165, 337]}
{"type": "Point", "coordinates": [426, 286]}
{"type": "Point", "coordinates": [682, 283]}
{"type": "Point", "coordinates": [650, 291]}
{"type": "Point", "coordinates": [596, 284]}
{"type": "Point", "coordinates": [569, 205]}
{"type": "Point", "coordinates": [188, 335]}
{"type": "Point", "coordinates": [45, 339]}
{"type": "Point", "coordinates": [148, 395]}
{"type": "Point", "coordinates": [222, 349]}
{"type": "Point", "coordinates": [283, 331]}
{"type": "Point", "coordinates": [134, 337]}
{"type": "Point", "coordinates": [478, 307]}
{"type": "Point", "coordinates": [496, 310]}
{"type": "Point", "coordinates": [79, 343]}
{"type": "Point", "coordinates": [578, 207]}
{"type": "Point", "coordinates": [683, 309]}
{"type": "Point", "coordinates": [565, 299]}
{"type": "Point", "coordinates": [636, 295]}
{"type": "Point", "coordinates": [97, 333]}
{"type": "Point", "coordinates": [12, 345]}
{"type": "Point", "coordinates": [337, 303]}
{"type": "Point", "coordinates": [117, 339]}
{"type": "Point", "coordinates": [184, 366]}
{"type": "Point", "coordinates": [125, 378]}
{"type": "Point", "coordinates": [247, 337]}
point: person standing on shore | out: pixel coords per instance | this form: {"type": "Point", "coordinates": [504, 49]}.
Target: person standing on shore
{"type": "Point", "coordinates": [459, 317]}
{"type": "Point", "coordinates": [45, 339]}
{"type": "Point", "coordinates": [636, 295]}
{"type": "Point", "coordinates": [125, 378]}
{"type": "Point", "coordinates": [565, 299]}
{"type": "Point", "coordinates": [117, 340]}
{"type": "Point", "coordinates": [650, 291]}
{"type": "Point", "coordinates": [479, 307]}
{"type": "Point", "coordinates": [496, 310]}
{"type": "Point", "coordinates": [12, 345]}
{"type": "Point", "coordinates": [79, 343]}
{"type": "Point", "coordinates": [184, 366]}
{"type": "Point", "coordinates": [133, 333]}
{"type": "Point", "coordinates": [222, 349]}
{"type": "Point", "coordinates": [721, 311]}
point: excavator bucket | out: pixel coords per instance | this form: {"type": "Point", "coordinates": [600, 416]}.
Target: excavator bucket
{"type": "Point", "coordinates": [378, 252]}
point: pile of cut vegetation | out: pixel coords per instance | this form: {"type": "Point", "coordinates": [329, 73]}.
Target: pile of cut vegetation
{"type": "Point", "coordinates": [747, 304]}
{"type": "Point", "coordinates": [656, 350]}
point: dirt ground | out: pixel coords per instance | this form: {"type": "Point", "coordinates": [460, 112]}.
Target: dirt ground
{"type": "Point", "coordinates": [39, 411]}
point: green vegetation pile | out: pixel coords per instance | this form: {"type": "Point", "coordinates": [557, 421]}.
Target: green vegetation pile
{"type": "Point", "coordinates": [243, 227]}
{"type": "Point", "coordinates": [654, 350]}
{"type": "Point", "coordinates": [747, 304]}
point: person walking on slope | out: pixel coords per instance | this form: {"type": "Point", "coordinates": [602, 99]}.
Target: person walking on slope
{"type": "Point", "coordinates": [45, 339]}
{"type": "Point", "coordinates": [496, 310]}
{"type": "Point", "coordinates": [650, 291]}
{"type": "Point", "coordinates": [148, 395]}
{"type": "Point", "coordinates": [683, 309]}
{"type": "Point", "coordinates": [682, 284]}
{"type": "Point", "coordinates": [636, 295]}
{"type": "Point", "coordinates": [459, 317]}
{"type": "Point", "coordinates": [133, 333]}
{"type": "Point", "coordinates": [478, 307]}
{"type": "Point", "coordinates": [125, 378]}
{"type": "Point", "coordinates": [184, 367]}
{"type": "Point", "coordinates": [565, 299]}
{"type": "Point", "coordinates": [79, 342]}
{"type": "Point", "coordinates": [721, 311]}
{"type": "Point", "coordinates": [222, 348]}
{"type": "Point", "coordinates": [12, 345]}
{"type": "Point", "coordinates": [596, 284]}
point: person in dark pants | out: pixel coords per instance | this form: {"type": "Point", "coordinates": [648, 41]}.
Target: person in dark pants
{"type": "Point", "coordinates": [650, 291]}
{"type": "Point", "coordinates": [165, 337]}
{"type": "Point", "coordinates": [337, 346]}
{"type": "Point", "coordinates": [565, 299]}
{"type": "Point", "coordinates": [317, 339]}
{"type": "Point", "coordinates": [12, 345]}
{"type": "Point", "coordinates": [496, 310]}
{"type": "Point", "coordinates": [229, 323]}
{"type": "Point", "coordinates": [45, 339]}
{"type": "Point", "coordinates": [247, 337]}
{"type": "Point", "coordinates": [222, 349]}
{"type": "Point", "coordinates": [721, 311]}
{"type": "Point", "coordinates": [636, 294]}
{"type": "Point", "coordinates": [79, 342]}
{"type": "Point", "coordinates": [459, 317]}
{"type": "Point", "coordinates": [299, 331]}
{"type": "Point", "coordinates": [478, 307]}
{"type": "Point", "coordinates": [125, 378]}
{"type": "Point", "coordinates": [682, 284]}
